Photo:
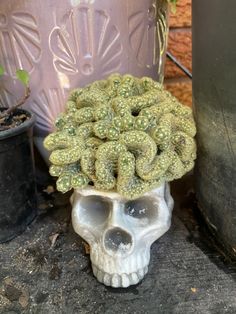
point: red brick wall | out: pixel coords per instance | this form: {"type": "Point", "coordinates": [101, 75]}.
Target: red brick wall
{"type": "Point", "coordinates": [180, 37]}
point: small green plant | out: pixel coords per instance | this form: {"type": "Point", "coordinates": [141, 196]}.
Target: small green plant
{"type": "Point", "coordinates": [173, 5]}
{"type": "Point", "coordinates": [124, 134]}
{"type": "Point", "coordinates": [1, 70]}
{"type": "Point", "coordinates": [23, 77]}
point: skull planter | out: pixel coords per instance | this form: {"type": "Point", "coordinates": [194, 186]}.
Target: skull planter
{"type": "Point", "coordinates": [120, 231]}
{"type": "Point", "coordinates": [127, 137]}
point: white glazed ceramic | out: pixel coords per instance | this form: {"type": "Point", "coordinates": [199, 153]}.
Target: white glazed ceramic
{"type": "Point", "coordinates": [120, 232]}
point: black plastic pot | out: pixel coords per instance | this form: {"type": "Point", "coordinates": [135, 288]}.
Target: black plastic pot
{"type": "Point", "coordinates": [17, 179]}
{"type": "Point", "coordinates": [214, 97]}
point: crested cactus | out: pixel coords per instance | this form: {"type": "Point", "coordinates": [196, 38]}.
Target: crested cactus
{"type": "Point", "coordinates": [123, 134]}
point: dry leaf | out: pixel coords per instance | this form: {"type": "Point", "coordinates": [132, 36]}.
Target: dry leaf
{"type": "Point", "coordinates": [24, 299]}
{"type": "Point", "coordinates": [53, 239]}
{"type": "Point", "coordinates": [86, 247]}
{"type": "Point", "coordinates": [49, 190]}
{"type": "Point", "coordinates": [8, 281]}
{"type": "Point", "coordinates": [4, 301]}
{"type": "Point", "coordinates": [194, 290]}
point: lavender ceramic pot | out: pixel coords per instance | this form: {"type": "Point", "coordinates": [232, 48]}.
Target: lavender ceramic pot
{"type": "Point", "coordinates": [64, 44]}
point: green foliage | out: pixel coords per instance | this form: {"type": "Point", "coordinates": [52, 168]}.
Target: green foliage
{"type": "Point", "coordinates": [173, 5]}
{"type": "Point", "coordinates": [1, 70]}
{"type": "Point", "coordinates": [23, 77]}
{"type": "Point", "coordinates": [123, 134]}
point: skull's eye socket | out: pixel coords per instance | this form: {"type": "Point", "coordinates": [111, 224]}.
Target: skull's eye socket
{"type": "Point", "coordinates": [141, 208]}
{"type": "Point", "coordinates": [95, 209]}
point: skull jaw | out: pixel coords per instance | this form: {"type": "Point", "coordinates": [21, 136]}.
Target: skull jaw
{"type": "Point", "coordinates": [119, 280]}
{"type": "Point", "coordinates": [117, 271]}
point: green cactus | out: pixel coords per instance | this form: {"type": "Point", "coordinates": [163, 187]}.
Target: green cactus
{"type": "Point", "coordinates": [124, 134]}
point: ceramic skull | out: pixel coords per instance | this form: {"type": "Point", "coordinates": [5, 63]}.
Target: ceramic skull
{"type": "Point", "coordinates": [120, 231]}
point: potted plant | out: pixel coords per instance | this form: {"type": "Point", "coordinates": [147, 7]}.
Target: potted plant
{"type": "Point", "coordinates": [117, 145]}
{"type": "Point", "coordinates": [17, 183]}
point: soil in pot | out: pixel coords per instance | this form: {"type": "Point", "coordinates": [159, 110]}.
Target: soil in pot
{"type": "Point", "coordinates": [13, 120]}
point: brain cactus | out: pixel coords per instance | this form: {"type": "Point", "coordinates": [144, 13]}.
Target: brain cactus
{"type": "Point", "coordinates": [124, 134]}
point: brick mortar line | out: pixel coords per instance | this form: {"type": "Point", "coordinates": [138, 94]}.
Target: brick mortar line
{"type": "Point", "coordinates": [174, 80]}
{"type": "Point", "coordinates": [180, 29]}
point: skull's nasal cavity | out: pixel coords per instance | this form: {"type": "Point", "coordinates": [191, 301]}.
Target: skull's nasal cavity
{"type": "Point", "coordinates": [117, 239]}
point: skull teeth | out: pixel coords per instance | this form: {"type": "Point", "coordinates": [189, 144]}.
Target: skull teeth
{"type": "Point", "coordinates": [115, 281]}
{"type": "Point", "coordinates": [119, 280]}
{"type": "Point", "coordinates": [107, 279]}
